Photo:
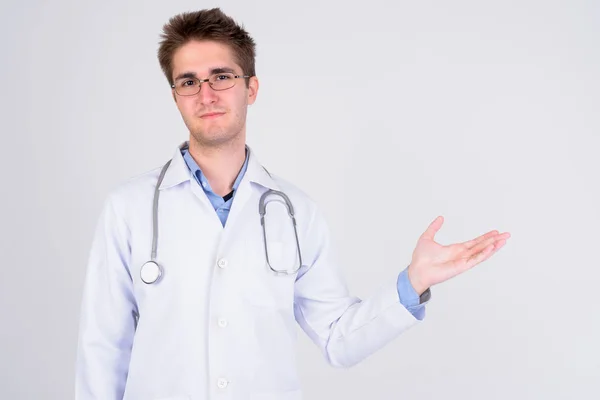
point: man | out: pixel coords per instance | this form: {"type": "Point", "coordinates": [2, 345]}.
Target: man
{"type": "Point", "coordinates": [211, 315]}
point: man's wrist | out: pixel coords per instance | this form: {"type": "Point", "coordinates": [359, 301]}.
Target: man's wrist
{"type": "Point", "coordinates": [416, 282]}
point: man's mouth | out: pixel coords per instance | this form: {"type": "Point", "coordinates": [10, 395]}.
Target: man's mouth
{"type": "Point", "coordinates": [211, 115]}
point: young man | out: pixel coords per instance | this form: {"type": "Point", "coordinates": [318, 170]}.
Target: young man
{"type": "Point", "coordinates": [191, 293]}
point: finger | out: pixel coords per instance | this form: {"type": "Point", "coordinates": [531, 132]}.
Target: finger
{"type": "Point", "coordinates": [467, 263]}
{"type": "Point", "coordinates": [505, 235]}
{"type": "Point", "coordinates": [490, 239]}
{"type": "Point", "coordinates": [481, 256]}
{"type": "Point", "coordinates": [477, 249]}
{"type": "Point", "coordinates": [473, 242]}
{"type": "Point", "coordinates": [480, 246]}
{"type": "Point", "coordinates": [499, 244]}
{"type": "Point", "coordinates": [481, 238]}
{"type": "Point", "coordinates": [478, 257]}
{"type": "Point", "coordinates": [486, 253]}
{"type": "Point", "coordinates": [433, 228]}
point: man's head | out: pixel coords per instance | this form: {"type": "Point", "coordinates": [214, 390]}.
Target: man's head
{"type": "Point", "coordinates": [204, 44]}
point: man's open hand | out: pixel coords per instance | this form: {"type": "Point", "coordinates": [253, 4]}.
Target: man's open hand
{"type": "Point", "coordinates": [433, 263]}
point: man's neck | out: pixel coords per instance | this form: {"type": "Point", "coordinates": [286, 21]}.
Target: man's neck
{"type": "Point", "coordinates": [220, 164]}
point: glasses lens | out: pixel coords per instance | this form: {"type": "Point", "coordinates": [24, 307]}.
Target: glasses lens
{"type": "Point", "coordinates": [222, 81]}
{"type": "Point", "coordinates": [187, 87]}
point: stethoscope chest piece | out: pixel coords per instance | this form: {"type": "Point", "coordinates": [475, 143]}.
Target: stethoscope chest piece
{"type": "Point", "coordinates": [151, 272]}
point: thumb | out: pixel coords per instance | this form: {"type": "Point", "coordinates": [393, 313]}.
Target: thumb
{"type": "Point", "coordinates": [433, 228]}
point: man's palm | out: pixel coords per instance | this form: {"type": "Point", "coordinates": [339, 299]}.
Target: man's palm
{"type": "Point", "coordinates": [433, 263]}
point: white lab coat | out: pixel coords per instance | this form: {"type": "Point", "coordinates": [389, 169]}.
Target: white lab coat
{"type": "Point", "coordinates": [219, 324]}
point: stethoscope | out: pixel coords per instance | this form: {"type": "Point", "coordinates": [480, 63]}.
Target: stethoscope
{"type": "Point", "coordinates": [151, 271]}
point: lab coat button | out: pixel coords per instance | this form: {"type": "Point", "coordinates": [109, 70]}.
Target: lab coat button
{"type": "Point", "coordinates": [222, 383]}
{"type": "Point", "coordinates": [222, 263]}
{"type": "Point", "coordinates": [222, 322]}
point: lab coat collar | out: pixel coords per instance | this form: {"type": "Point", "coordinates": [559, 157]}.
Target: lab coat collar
{"type": "Point", "coordinates": [256, 173]}
{"type": "Point", "coordinates": [178, 171]}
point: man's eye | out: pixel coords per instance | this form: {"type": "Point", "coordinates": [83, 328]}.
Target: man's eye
{"type": "Point", "coordinates": [187, 83]}
{"type": "Point", "coordinates": [222, 77]}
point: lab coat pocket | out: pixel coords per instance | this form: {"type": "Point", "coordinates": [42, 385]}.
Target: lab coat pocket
{"type": "Point", "coordinates": [281, 258]}
{"type": "Point", "coordinates": [270, 280]}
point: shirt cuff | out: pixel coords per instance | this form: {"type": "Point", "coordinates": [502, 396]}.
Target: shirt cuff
{"type": "Point", "coordinates": [409, 297]}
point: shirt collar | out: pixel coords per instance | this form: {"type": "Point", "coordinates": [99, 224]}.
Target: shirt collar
{"type": "Point", "coordinates": [178, 171]}
{"type": "Point", "coordinates": [201, 178]}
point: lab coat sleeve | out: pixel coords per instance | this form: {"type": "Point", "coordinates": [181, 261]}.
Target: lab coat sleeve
{"type": "Point", "coordinates": [347, 329]}
{"type": "Point", "coordinates": [107, 322]}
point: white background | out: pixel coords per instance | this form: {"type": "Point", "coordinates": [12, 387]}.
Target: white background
{"type": "Point", "coordinates": [388, 114]}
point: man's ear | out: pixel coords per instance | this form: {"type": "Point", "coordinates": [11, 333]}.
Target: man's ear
{"type": "Point", "coordinates": [252, 89]}
{"type": "Point", "coordinates": [174, 95]}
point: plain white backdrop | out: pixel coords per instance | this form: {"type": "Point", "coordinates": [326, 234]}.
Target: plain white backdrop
{"type": "Point", "coordinates": [388, 114]}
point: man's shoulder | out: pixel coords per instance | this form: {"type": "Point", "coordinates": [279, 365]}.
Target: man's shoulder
{"type": "Point", "coordinates": [135, 187]}
{"type": "Point", "coordinates": [298, 195]}
{"type": "Point", "coordinates": [291, 189]}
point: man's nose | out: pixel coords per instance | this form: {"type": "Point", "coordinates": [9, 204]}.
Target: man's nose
{"type": "Point", "coordinates": [207, 94]}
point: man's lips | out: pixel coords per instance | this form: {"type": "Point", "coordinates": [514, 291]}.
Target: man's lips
{"type": "Point", "coordinates": [211, 115]}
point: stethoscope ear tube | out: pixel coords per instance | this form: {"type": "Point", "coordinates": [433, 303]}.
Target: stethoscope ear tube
{"type": "Point", "coordinates": [262, 204]}
{"type": "Point", "coordinates": [151, 271]}
{"type": "Point", "coordinates": [262, 210]}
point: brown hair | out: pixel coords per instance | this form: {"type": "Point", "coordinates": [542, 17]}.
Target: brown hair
{"type": "Point", "coordinates": [212, 25]}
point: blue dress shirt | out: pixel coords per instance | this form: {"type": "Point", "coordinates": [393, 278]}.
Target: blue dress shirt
{"type": "Point", "coordinates": [407, 294]}
{"type": "Point", "coordinates": [220, 205]}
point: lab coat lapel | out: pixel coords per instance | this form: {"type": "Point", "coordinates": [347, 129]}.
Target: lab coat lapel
{"type": "Point", "coordinates": [255, 178]}
{"type": "Point", "coordinates": [177, 172]}
{"type": "Point", "coordinates": [255, 174]}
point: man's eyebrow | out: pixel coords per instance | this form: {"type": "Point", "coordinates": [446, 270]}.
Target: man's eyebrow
{"type": "Point", "coordinates": [222, 70]}
{"type": "Point", "coordinates": [186, 75]}
{"type": "Point", "coordinates": [218, 70]}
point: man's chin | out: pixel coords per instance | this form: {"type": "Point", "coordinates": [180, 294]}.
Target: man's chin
{"type": "Point", "coordinates": [213, 138]}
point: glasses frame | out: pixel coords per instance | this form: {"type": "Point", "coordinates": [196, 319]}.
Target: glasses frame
{"type": "Point", "coordinates": [201, 81]}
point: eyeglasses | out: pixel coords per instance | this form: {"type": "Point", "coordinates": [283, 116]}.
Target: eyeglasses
{"type": "Point", "coordinates": [220, 81]}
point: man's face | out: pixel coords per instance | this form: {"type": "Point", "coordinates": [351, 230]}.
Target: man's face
{"type": "Point", "coordinates": [212, 117]}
